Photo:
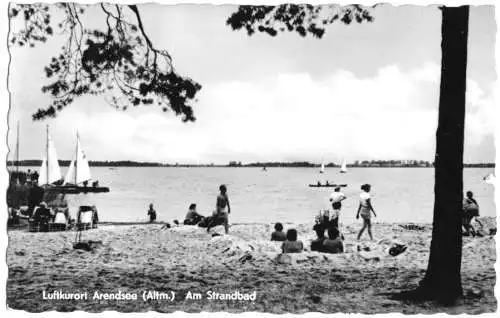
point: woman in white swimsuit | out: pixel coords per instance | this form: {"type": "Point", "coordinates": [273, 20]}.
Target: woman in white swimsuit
{"type": "Point", "coordinates": [365, 209]}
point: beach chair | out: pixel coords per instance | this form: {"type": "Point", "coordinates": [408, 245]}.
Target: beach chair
{"type": "Point", "coordinates": [61, 221]}
{"type": "Point", "coordinates": [87, 218]}
{"type": "Point", "coordinates": [40, 221]}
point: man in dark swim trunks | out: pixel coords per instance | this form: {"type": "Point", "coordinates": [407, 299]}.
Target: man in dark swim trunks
{"type": "Point", "coordinates": [222, 210]}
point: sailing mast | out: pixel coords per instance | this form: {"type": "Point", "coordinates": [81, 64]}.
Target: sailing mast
{"type": "Point", "coordinates": [47, 155]}
{"type": "Point", "coordinates": [76, 157]}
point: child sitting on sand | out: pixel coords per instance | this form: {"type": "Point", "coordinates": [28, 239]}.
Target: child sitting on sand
{"type": "Point", "coordinates": [333, 244]}
{"type": "Point", "coordinates": [278, 234]}
{"type": "Point", "coordinates": [291, 245]}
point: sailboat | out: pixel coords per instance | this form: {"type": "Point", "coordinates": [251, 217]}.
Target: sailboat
{"type": "Point", "coordinates": [343, 167]}
{"type": "Point", "coordinates": [79, 171]}
{"type": "Point", "coordinates": [14, 173]}
{"type": "Point", "coordinates": [491, 179]}
{"type": "Point", "coordinates": [78, 174]}
{"type": "Point", "coordinates": [322, 168]}
{"type": "Point", "coordinates": [50, 171]}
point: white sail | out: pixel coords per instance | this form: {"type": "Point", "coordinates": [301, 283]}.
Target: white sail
{"type": "Point", "coordinates": [322, 169]}
{"type": "Point", "coordinates": [70, 175]}
{"type": "Point", "coordinates": [54, 172]}
{"type": "Point", "coordinates": [491, 179]}
{"type": "Point", "coordinates": [78, 170]}
{"type": "Point", "coordinates": [343, 168]}
{"type": "Point", "coordinates": [82, 165]}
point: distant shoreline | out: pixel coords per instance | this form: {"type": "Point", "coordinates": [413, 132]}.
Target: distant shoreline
{"type": "Point", "coordinates": [364, 164]}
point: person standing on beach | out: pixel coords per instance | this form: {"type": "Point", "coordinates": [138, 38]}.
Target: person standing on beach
{"type": "Point", "coordinates": [151, 213]}
{"type": "Point", "coordinates": [222, 209]}
{"type": "Point", "coordinates": [35, 196]}
{"type": "Point", "coordinates": [365, 209]}
{"type": "Point", "coordinates": [470, 211]}
{"type": "Point", "coordinates": [336, 199]}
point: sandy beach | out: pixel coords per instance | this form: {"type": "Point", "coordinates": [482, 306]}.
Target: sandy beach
{"type": "Point", "coordinates": [145, 257]}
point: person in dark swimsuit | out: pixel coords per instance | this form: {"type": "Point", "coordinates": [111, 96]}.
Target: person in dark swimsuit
{"type": "Point", "coordinates": [151, 213]}
{"type": "Point", "coordinates": [222, 210]}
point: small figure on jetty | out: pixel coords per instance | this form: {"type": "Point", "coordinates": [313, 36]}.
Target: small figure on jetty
{"type": "Point", "coordinates": [222, 210]}
{"type": "Point", "coordinates": [470, 212]}
{"type": "Point", "coordinates": [278, 234]}
{"type": "Point", "coordinates": [336, 199]}
{"type": "Point", "coordinates": [365, 209]}
{"type": "Point", "coordinates": [292, 245]}
{"type": "Point", "coordinates": [192, 217]}
{"type": "Point", "coordinates": [151, 213]}
{"type": "Point", "coordinates": [34, 176]}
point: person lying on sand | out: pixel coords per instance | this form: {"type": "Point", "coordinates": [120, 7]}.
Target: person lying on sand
{"type": "Point", "coordinates": [192, 217]}
{"type": "Point", "coordinates": [333, 244]}
{"type": "Point", "coordinates": [365, 209]}
{"type": "Point", "coordinates": [292, 245]}
{"type": "Point", "coordinates": [278, 234]}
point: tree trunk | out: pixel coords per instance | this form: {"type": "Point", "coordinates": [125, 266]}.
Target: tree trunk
{"type": "Point", "coordinates": [442, 280]}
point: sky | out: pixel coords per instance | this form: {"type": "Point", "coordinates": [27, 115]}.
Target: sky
{"type": "Point", "coordinates": [362, 92]}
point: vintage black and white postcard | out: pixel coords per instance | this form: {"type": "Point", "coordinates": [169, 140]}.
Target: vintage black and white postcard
{"type": "Point", "coordinates": [271, 158]}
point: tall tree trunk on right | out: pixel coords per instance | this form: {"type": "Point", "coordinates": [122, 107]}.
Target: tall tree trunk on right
{"type": "Point", "coordinates": [442, 280]}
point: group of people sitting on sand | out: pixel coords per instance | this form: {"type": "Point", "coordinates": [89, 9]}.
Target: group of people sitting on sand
{"type": "Point", "coordinates": [328, 221]}
{"type": "Point", "coordinates": [333, 243]}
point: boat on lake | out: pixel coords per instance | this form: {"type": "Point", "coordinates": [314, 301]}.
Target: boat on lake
{"type": "Point", "coordinates": [78, 175]}
{"type": "Point", "coordinates": [326, 185]}
{"type": "Point", "coordinates": [343, 167]}
{"type": "Point", "coordinates": [322, 168]}
{"type": "Point", "coordinates": [50, 172]}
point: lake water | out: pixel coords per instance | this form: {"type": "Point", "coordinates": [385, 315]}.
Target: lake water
{"type": "Point", "coordinates": [280, 194]}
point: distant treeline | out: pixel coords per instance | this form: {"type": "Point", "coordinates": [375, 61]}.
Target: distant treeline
{"type": "Point", "coordinates": [295, 164]}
